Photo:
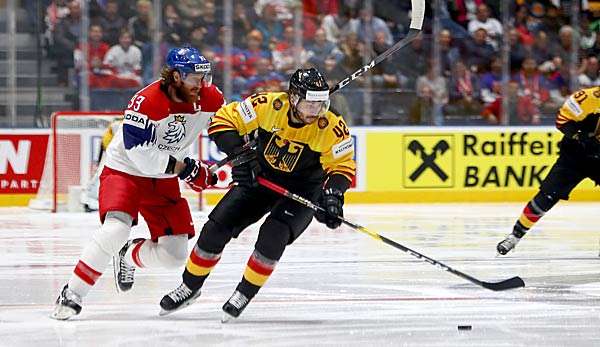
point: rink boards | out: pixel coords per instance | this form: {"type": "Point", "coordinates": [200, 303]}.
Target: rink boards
{"type": "Point", "coordinates": [450, 164]}
{"type": "Point", "coordinates": [394, 164]}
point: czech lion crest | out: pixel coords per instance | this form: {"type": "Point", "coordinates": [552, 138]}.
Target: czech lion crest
{"type": "Point", "coordinates": [176, 131]}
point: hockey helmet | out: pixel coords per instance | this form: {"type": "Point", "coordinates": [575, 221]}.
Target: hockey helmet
{"type": "Point", "coordinates": [309, 87]}
{"type": "Point", "coordinates": [188, 60]}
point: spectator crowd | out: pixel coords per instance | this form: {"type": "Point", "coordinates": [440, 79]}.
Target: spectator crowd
{"type": "Point", "coordinates": [547, 57]}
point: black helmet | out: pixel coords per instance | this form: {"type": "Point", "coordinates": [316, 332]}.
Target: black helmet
{"type": "Point", "coordinates": [304, 80]}
{"type": "Point", "coordinates": [311, 86]}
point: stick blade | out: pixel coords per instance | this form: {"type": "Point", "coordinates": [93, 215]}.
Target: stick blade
{"type": "Point", "coordinates": [511, 283]}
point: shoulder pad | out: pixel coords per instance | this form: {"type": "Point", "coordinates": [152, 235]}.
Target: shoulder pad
{"type": "Point", "coordinates": [572, 105]}
{"type": "Point", "coordinates": [211, 99]}
{"type": "Point", "coordinates": [246, 110]}
{"type": "Point", "coordinates": [342, 148]}
{"type": "Point", "coordinates": [150, 102]}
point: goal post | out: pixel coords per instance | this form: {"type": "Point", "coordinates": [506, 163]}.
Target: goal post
{"type": "Point", "coordinates": [72, 159]}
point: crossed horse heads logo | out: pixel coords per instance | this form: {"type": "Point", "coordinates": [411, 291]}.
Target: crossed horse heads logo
{"type": "Point", "coordinates": [428, 159]}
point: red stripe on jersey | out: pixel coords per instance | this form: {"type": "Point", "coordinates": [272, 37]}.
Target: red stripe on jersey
{"type": "Point", "coordinates": [561, 119]}
{"type": "Point", "coordinates": [223, 120]}
{"type": "Point", "coordinates": [135, 254]}
{"type": "Point", "coordinates": [259, 267]}
{"type": "Point", "coordinates": [348, 174]}
{"type": "Point", "coordinates": [530, 214]}
{"type": "Point", "coordinates": [203, 262]}
{"type": "Point", "coordinates": [86, 273]}
{"type": "Point", "coordinates": [217, 128]}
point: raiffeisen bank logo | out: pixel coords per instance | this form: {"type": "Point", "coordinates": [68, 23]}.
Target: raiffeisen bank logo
{"type": "Point", "coordinates": [428, 161]}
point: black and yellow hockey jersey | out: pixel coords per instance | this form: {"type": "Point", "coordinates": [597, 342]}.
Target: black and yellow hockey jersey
{"type": "Point", "coordinates": [580, 113]}
{"type": "Point", "coordinates": [290, 154]}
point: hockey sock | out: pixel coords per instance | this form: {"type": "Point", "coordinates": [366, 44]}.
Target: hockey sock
{"type": "Point", "coordinates": [106, 241]}
{"type": "Point", "coordinates": [533, 211]}
{"type": "Point", "coordinates": [168, 252]}
{"type": "Point", "coordinates": [198, 267]}
{"type": "Point", "coordinates": [92, 263]}
{"type": "Point", "coordinates": [258, 270]}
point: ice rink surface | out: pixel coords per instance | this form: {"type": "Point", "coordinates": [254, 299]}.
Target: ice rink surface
{"type": "Point", "coordinates": [331, 287]}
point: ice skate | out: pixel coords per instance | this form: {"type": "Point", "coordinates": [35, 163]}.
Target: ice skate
{"type": "Point", "coordinates": [234, 306]}
{"type": "Point", "coordinates": [68, 304]}
{"type": "Point", "coordinates": [508, 244]}
{"type": "Point", "coordinates": [177, 299]}
{"type": "Point", "coordinates": [123, 272]}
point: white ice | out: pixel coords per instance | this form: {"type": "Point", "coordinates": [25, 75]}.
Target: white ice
{"type": "Point", "coordinates": [331, 287]}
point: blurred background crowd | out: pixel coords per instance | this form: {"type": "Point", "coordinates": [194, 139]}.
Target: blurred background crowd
{"type": "Point", "coordinates": [477, 62]}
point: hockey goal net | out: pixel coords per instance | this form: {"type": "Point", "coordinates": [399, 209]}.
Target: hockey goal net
{"type": "Point", "coordinates": [72, 159]}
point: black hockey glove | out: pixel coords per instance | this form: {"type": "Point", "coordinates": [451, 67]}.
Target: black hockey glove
{"type": "Point", "coordinates": [244, 175]}
{"type": "Point", "coordinates": [197, 174]}
{"type": "Point", "coordinates": [332, 201]}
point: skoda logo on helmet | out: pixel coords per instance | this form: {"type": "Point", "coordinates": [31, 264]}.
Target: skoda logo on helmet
{"type": "Point", "coordinates": [205, 67]}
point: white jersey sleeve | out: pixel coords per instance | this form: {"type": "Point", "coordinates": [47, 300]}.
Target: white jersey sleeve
{"type": "Point", "coordinates": [139, 139]}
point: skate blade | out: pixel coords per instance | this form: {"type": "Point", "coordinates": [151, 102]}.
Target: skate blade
{"type": "Point", "coordinates": [164, 312]}
{"type": "Point", "coordinates": [116, 273]}
{"type": "Point", "coordinates": [226, 318]}
{"type": "Point", "coordinates": [62, 313]}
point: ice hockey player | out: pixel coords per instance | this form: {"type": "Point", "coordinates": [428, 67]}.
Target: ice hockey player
{"type": "Point", "coordinates": [143, 164]}
{"type": "Point", "coordinates": [301, 145]}
{"type": "Point", "coordinates": [579, 120]}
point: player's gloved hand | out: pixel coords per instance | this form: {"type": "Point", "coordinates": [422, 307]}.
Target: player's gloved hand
{"type": "Point", "coordinates": [245, 174]}
{"type": "Point", "coordinates": [197, 175]}
{"type": "Point", "coordinates": [332, 202]}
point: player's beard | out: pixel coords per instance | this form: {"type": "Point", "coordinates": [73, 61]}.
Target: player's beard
{"type": "Point", "coordinates": [185, 94]}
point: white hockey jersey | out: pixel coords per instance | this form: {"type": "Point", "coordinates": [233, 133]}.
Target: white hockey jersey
{"type": "Point", "coordinates": [154, 128]}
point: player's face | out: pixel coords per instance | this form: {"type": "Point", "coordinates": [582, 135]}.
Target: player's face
{"type": "Point", "coordinates": [310, 111]}
{"type": "Point", "coordinates": [193, 82]}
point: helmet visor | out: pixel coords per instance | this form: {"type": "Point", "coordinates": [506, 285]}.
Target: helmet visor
{"type": "Point", "coordinates": [312, 108]}
{"type": "Point", "coordinates": [200, 79]}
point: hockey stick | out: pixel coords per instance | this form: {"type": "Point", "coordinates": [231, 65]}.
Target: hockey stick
{"type": "Point", "coordinates": [418, 12]}
{"type": "Point", "coordinates": [246, 154]}
{"type": "Point", "coordinates": [235, 160]}
{"type": "Point", "coordinates": [514, 282]}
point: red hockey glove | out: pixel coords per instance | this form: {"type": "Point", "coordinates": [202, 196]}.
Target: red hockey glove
{"type": "Point", "coordinates": [197, 175]}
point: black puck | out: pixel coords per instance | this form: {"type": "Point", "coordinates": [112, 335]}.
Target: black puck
{"type": "Point", "coordinates": [465, 327]}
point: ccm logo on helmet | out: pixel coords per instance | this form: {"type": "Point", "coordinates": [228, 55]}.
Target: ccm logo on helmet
{"type": "Point", "coordinates": [136, 119]}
